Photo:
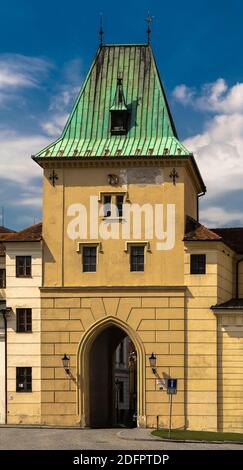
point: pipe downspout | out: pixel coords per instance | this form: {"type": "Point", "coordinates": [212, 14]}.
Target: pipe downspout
{"type": "Point", "coordinates": [198, 196]}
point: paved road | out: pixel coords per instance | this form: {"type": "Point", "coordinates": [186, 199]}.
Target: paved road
{"type": "Point", "coordinates": [96, 439]}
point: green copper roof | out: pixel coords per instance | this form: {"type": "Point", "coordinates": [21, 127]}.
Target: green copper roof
{"type": "Point", "coordinates": [151, 130]}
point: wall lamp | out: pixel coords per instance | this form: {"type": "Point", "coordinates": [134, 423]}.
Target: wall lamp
{"type": "Point", "coordinates": [152, 362]}
{"type": "Point", "coordinates": [66, 363]}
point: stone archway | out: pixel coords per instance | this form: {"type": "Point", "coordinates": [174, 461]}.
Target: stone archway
{"type": "Point", "coordinates": [86, 354]}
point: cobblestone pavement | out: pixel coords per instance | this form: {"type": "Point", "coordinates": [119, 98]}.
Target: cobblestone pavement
{"type": "Point", "coordinates": [96, 439]}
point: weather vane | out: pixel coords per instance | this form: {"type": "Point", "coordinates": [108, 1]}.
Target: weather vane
{"type": "Point", "coordinates": [149, 21]}
{"type": "Point", "coordinates": [101, 32]}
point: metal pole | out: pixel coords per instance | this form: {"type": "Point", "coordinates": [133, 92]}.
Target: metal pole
{"type": "Point", "coordinates": [170, 415]}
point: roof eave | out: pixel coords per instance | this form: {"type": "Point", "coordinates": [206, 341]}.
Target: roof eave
{"type": "Point", "coordinates": [189, 157]}
{"type": "Point", "coordinates": [203, 240]}
{"type": "Point", "coordinates": [22, 241]}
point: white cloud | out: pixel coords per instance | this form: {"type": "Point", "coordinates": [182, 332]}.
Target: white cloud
{"type": "Point", "coordinates": [19, 183]}
{"type": "Point", "coordinates": [72, 77]}
{"type": "Point", "coordinates": [183, 94]}
{"type": "Point", "coordinates": [216, 97]}
{"type": "Point", "coordinates": [64, 98]}
{"type": "Point", "coordinates": [219, 147]}
{"type": "Point", "coordinates": [54, 126]}
{"type": "Point", "coordinates": [19, 71]}
{"type": "Point", "coordinates": [16, 150]}
{"type": "Point", "coordinates": [218, 217]}
{"type": "Point", "coordinates": [219, 153]}
{"type": "Point", "coordinates": [32, 201]}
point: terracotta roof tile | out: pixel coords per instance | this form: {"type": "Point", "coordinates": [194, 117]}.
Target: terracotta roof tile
{"type": "Point", "coordinates": [197, 232]}
{"type": "Point", "coordinates": [6, 230]}
{"type": "Point", "coordinates": [5, 233]}
{"type": "Point", "coordinates": [29, 234]}
{"type": "Point", "coordinates": [232, 237]}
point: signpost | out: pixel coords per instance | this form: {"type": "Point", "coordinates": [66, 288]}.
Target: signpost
{"type": "Point", "coordinates": [171, 390]}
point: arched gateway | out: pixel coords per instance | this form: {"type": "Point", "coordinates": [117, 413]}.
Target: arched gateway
{"type": "Point", "coordinates": [97, 400]}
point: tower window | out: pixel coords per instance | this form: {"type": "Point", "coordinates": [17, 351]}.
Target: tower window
{"type": "Point", "coordinates": [107, 205]}
{"type": "Point", "coordinates": [119, 205]}
{"type": "Point", "coordinates": [119, 122]}
{"type": "Point", "coordinates": [198, 264]}
{"type": "Point", "coordinates": [119, 111]}
{"type": "Point", "coordinates": [89, 259]}
{"type": "Point", "coordinates": [137, 258]}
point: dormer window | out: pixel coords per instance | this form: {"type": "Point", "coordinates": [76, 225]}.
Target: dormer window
{"type": "Point", "coordinates": [119, 112]}
{"type": "Point", "coordinates": [118, 122]}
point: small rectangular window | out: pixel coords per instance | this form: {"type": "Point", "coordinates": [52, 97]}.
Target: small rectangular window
{"type": "Point", "coordinates": [2, 278]}
{"type": "Point", "coordinates": [23, 379]}
{"type": "Point", "coordinates": [107, 206]}
{"type": "Point", "coordinates": [89, 258]}
{"type": "Point", "coordinates": [119, 205]}
{"type": "Point", "coordinates": [137, 258]}
{"type": "Point", "coordinates": [24, 320]}
{"type": "Point", "coordinates": [23, 266]}
{"type": "Point", "coordinates": [198, 264]}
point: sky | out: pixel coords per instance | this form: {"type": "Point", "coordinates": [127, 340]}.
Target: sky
{"type": "Point", "coordinates": [46, 49]}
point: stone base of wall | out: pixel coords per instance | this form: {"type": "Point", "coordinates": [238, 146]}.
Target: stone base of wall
{"type": "Point", "coordinates": [155, 319]}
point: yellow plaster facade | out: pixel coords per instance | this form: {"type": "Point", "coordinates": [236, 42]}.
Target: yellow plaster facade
{"type": "Point", "coordinates": [164, 309]}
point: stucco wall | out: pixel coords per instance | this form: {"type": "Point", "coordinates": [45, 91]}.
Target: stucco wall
{"type": "Point", "coordinates": [156, 319]}
{"type": "Point", "coordinates": [230, 371]}
{"type": "Point", "coordinates": [201, 341]}
{"type": "Point", "coordinates": [62, 262]}
{"type": "Point", "coordinates": [23, 348]}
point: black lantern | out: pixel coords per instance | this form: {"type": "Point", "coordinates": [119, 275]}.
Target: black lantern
{"type": "Point", "coordinates": [65, 362]}
{"type": "Point", "coordinates": [152, 362]}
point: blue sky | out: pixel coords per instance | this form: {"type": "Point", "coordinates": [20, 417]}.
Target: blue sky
{"type": "Point", "coordinates": [46, 49]}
